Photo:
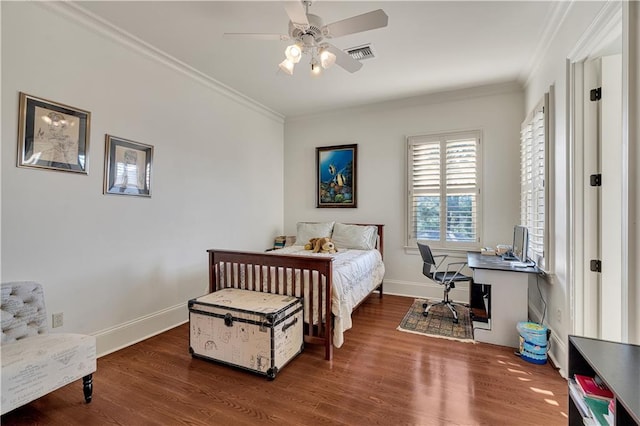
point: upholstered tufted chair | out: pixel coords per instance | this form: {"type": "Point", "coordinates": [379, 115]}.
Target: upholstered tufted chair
{"type": "Point", "coordinates": [34, 361]}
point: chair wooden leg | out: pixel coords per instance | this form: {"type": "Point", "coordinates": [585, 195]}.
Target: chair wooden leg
{"type": "Point", "coordinates": [87, 387]}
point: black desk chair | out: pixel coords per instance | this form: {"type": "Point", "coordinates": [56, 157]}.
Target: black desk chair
{"type": "Point", "coordinates": [447, 278]}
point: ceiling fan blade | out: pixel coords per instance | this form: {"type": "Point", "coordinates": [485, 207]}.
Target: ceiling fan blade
{"type": "Point", "coordinates": [355, 24]}
{"type": "Point", "coordinates": [297, 14]}
{"type": "Point", "coordinates": [256, 36]}
{"type": "Point", "coordinates": [343, 59]}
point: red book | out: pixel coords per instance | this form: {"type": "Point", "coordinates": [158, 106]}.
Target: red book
{"type": "Point", "coordinates": [592, 388]}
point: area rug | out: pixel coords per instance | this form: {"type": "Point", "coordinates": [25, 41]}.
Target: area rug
{"type": "Point", "coordinates": [439, 322]}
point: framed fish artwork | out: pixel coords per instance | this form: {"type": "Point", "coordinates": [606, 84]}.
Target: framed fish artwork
{"type": "Point", "coordinates": [336, 176]}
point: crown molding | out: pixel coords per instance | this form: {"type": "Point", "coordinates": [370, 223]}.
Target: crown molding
{"type": "Point", "coordinates": [553, 22]}
{"type": "Point", "coordinates": [608, 22]}
{"type": "Point", "coordinates": [457, 94]}
{"type": "Point", "coordinates": [95, 23]}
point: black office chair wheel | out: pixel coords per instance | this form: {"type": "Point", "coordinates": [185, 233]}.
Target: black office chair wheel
{"type": "Point", "coordinates": [425, 313]}
{"type": "Point", "coordinates": [455, 320]}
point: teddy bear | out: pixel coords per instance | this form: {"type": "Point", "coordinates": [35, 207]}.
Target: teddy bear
{"type": "Point", "coordinates": [310, 244]}
{"type": "Point", "coordinates": [321, 245]}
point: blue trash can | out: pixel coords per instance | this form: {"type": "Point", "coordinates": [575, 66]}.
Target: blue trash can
{"type": "Point", "coordinates": [533, 342]}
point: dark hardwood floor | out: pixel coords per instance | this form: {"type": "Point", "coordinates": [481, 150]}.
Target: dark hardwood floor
{"type": "Point", "coordinates": [380, 376]}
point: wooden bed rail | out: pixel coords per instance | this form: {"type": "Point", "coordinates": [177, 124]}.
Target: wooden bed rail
{"type": "Point", "coordinates": [291, 275]}
{"type": "Point", "coordinates": [300, 276]}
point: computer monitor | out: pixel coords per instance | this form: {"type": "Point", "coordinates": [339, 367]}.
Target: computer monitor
{"type": "Point", "coordinates": [520, 242]}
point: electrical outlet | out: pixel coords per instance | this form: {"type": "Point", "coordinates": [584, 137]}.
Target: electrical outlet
{"type": "Point", "coordinates": [57, 319]}
{"type": "Point", "coordinates": [559, 316]}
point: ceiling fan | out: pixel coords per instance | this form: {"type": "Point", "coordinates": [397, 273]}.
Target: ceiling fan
{"type": "Point", "coordinates": [309, 34]}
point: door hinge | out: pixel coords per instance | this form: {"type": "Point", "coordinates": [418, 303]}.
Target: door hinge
{"type": "Point", "coordinates": [595, 180]}
{"type": "Point", "coordinates": [595, 265]}
{"type": "Point", "coordinates": [595, 94]}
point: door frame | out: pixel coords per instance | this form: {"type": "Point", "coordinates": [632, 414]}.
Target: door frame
{"type": "Point", "coordinates": [605, 29]}
{"type": "Point", "coordinates": [624, 15]}
{"type": "Point", "coordinates": [630, 185]}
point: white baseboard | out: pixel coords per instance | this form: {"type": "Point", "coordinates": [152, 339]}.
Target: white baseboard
{"type": "Point", "coordinates": [131, 332]}
{"type": "Point", "coordinates": [427, 290]}
{"type": "Point", "coordinates": [126, 334]}
{"type": "Point", "coordinates": [557, 348]}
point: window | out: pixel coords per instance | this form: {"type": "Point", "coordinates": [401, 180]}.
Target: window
{"type": "Point", "coordinates": [444, 189]}
{"type": "Point", "coordinates": [533, 180]}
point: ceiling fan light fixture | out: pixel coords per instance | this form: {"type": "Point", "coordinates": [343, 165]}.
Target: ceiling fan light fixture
{"type": "Point", "coordinates": [327, 59]}
{"type": "Point", "coordinates": [287, 66]}
{"type": "Point", "coordinates": [308, 31]}
{"type": "Point", "coordinates": [293, 53]}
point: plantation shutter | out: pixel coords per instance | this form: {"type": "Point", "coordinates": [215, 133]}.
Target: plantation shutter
{"type": "Point", "coordinates": [533, 172]}
{"type": "Point", "coordinates": [444, 189]}
{"type": "Point", "coordinates": [426, 184]}
{"type": "Point", "coordinates": [462, 183]}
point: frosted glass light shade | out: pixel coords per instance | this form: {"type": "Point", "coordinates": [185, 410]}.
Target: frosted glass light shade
{"type": "Point", "coordinates": [327, 59]}
{"type": "Point", "coordinates": [287, 66]}
{"type": "Point", "coordinates": [293, 53]}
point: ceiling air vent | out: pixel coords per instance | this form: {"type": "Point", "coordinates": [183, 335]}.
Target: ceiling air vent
{"type": "Point", "coordinates": [361, 52]}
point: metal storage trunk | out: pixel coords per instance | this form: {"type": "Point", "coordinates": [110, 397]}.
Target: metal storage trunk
{"type": "Point", "coordinates": [256, 331]}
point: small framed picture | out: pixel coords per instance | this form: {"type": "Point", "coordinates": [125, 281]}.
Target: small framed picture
{"type": "Point", "coordinates": [127, 168]}
{"type": "Point", "coordinates": [52, 135]}
{"type": "Point", "coordinates": [336, 176]}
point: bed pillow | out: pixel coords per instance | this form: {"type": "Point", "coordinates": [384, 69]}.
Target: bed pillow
{"type": "Point", "coordinates": [357, 237]}
{"type": "Point", "coordinates": [308, 230]}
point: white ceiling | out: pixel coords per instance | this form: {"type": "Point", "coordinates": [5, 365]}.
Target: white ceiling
{"type": "Point", "coordinates": [428, 46]}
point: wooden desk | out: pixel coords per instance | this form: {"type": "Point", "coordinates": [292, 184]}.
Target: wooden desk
{"type": "Point", "coordinates": [509, 297]}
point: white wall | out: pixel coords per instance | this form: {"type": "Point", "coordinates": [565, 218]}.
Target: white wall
{"type": "Point", "coordinates": [124, 267]}
{"type": "Point", "coordinates": [380, 131]}
{"type": "Point", "coordinates": [552, 70]}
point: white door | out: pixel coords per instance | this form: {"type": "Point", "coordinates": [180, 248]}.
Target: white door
{"type": "Point", "coordinates": [603, 204]}
{"type": "Point", "coordinates": [591, 152]}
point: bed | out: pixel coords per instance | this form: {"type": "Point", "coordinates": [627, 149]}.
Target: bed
{"type": "Point", "coordinates": [332, 285]}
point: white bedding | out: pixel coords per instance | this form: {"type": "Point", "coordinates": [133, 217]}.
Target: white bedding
{"type": "Point", "coordinates": [355, 274]}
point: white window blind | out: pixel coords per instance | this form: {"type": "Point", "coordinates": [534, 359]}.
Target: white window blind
{"type": "Point", "coordinates": [443, 183]}
{"type": "Point", "coordinates": [533, 180]}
